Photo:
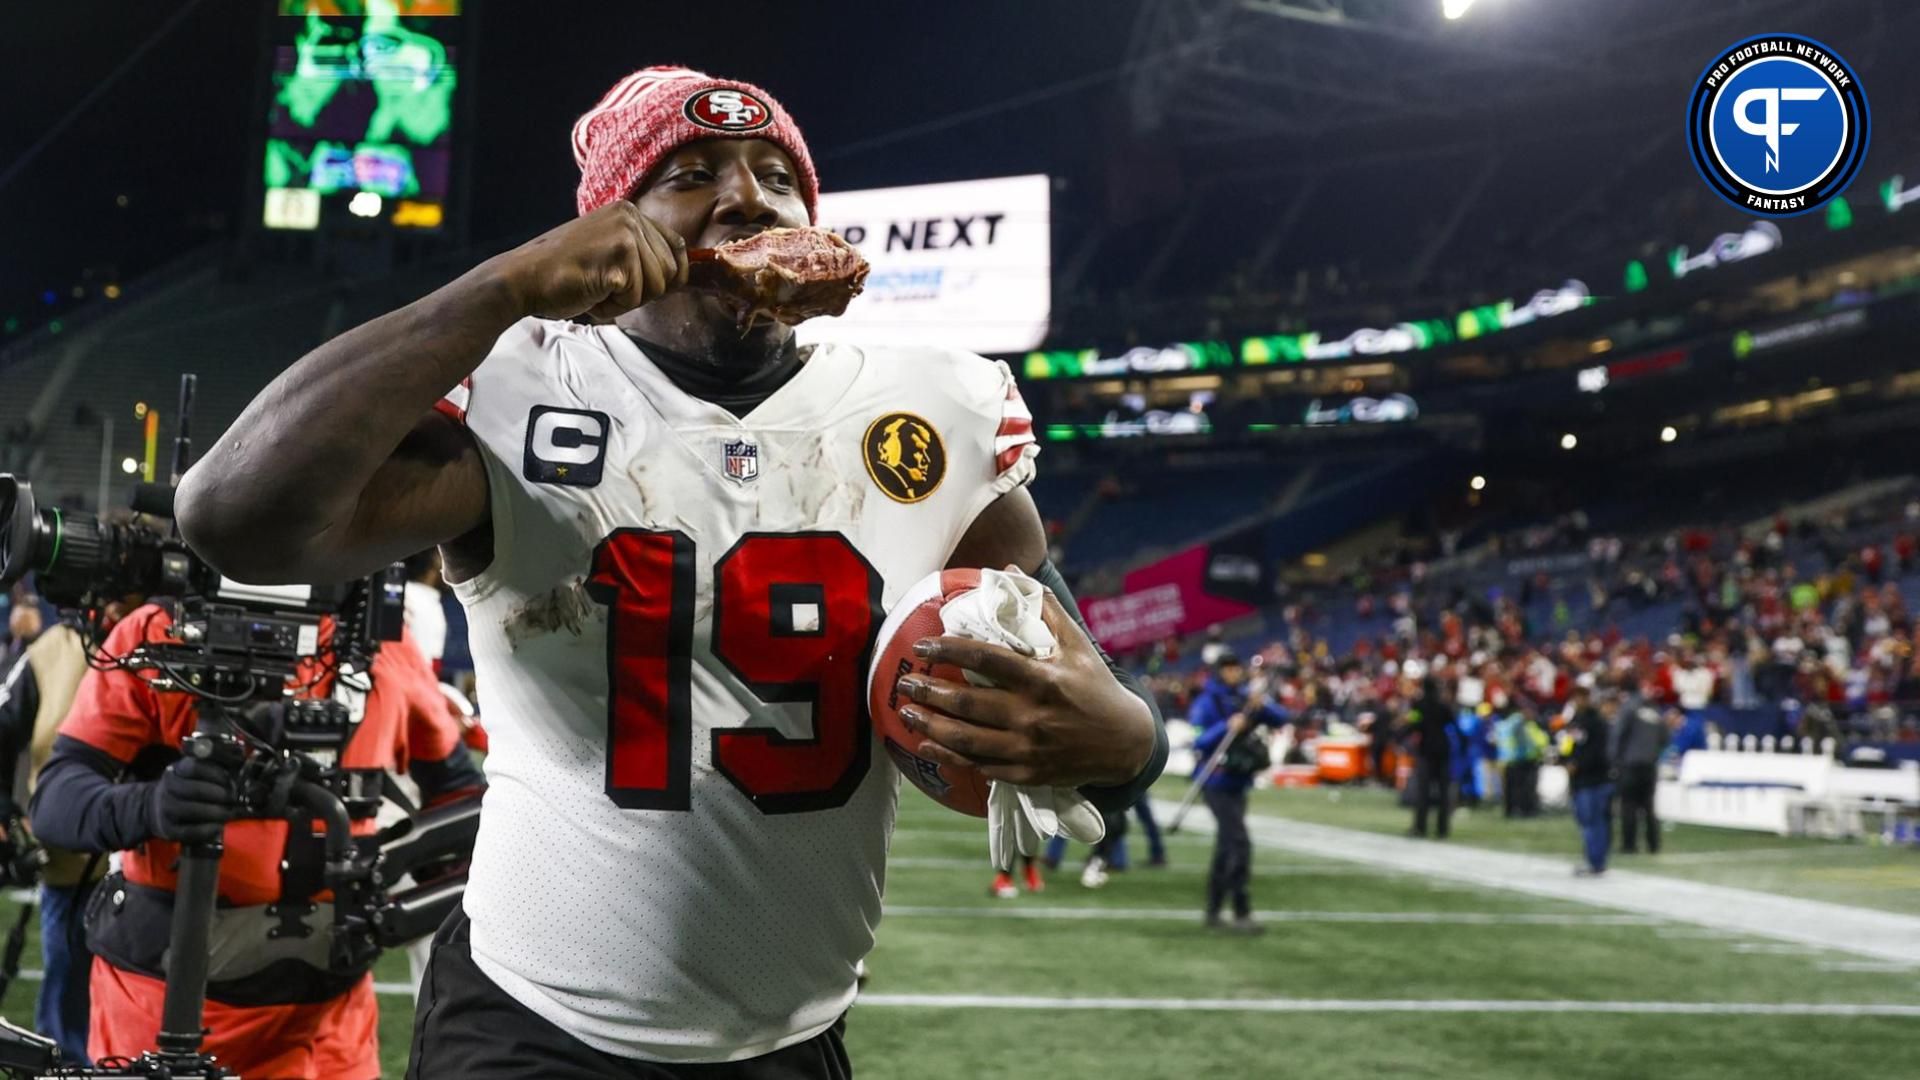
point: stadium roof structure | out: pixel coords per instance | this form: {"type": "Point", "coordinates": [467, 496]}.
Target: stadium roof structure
{"type": "Point", "coordinates": [1211, 70]}
{"type": "Point", "coordinates": [1288, 136]}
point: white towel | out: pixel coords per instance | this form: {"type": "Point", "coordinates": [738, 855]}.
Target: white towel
{"type": "Point", "coordinates": [1006, 610]}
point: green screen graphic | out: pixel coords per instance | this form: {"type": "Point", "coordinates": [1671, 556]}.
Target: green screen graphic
{"type": "Point", "coordinates": [363, 104]}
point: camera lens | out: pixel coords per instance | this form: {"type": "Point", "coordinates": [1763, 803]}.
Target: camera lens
{"type": "Point", "coordinates": [74, 554]}
{"type": "Point", "coordinates": [20, 529]}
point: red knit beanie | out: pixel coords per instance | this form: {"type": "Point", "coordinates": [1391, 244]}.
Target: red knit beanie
{"type": "Point", "coordinates": [655, 111]}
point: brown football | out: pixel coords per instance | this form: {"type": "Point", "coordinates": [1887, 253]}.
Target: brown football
{"type": "Point", "coordinates": [915, 617]}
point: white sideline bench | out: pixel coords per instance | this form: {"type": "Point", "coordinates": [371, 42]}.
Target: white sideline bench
{"type": "Point", "coordinates": [1783, 793]}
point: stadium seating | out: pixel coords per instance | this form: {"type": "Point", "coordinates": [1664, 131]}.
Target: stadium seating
{"type": "Point", "coordinates": [1156, 509]}
{"type": "Point", "coordinates": [236, 330]}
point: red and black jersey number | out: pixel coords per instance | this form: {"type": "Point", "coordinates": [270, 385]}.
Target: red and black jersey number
{"type": "Point", "coordinates": [794, 616]}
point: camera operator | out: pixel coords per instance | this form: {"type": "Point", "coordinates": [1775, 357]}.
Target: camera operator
{"type": "Point", "coordinates": [1225, 711]}
{"type": "Point", "coordinates": [34, 697]}
{"type": "Point", "coordinates": [117, 782]}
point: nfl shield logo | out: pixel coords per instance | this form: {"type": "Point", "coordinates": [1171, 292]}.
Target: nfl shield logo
{"type": "Point", "coordinates": [742, 461]}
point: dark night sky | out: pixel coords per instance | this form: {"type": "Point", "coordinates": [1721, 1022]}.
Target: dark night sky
{"type": "Point", "coordinates": [173, 133]}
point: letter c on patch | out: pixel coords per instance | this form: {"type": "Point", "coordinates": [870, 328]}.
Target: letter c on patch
{"type": "Point", "coordinates": [565, 446]}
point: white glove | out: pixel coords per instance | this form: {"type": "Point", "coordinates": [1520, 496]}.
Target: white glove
{"type": "Point", "coordinates": [1005, 610]}
{"type": "Point", "coordinates": [1020, 820]}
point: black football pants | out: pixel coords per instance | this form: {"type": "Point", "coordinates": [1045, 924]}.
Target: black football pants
{"type": "Point", "coordinates": [466, 1028]}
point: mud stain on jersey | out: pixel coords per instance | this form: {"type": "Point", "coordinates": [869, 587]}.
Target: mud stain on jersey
{"type": "Point", "coordinates": [655, 506]}
{"type": "Point", "coordinates": [565, 608]}
{"type": "Point", "coordinates": [816, 491]}
{"type": "Point", "coordinates": [703, 600]}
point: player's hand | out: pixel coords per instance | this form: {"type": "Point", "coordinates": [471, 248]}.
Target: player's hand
{"type": "Point", "coordinates": [602, 265]}
{"type": "Point", "coordinates": [1237, 725]}
{"type": "Point", "coordinates": [192, 801]}
{"type": "Point", "coordinates": [1061, 722]}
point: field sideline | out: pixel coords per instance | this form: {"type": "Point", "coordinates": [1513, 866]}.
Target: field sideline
{"type": "Point", "coordinates": [1364, 972]}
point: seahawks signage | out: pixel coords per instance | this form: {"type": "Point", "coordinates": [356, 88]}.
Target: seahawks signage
{"type": "Point", "coordinates": [1392, 409]}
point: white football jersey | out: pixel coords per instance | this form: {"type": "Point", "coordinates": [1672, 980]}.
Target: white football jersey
{"type": "Point", "coordinates": [686, 828]}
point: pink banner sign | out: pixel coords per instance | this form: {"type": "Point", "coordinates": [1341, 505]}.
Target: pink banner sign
{"type": "Point", "coordinates": [1164, 598]}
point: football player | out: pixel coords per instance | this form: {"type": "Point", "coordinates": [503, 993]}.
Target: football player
{"type": "Point", "coordinates": [675, 542]}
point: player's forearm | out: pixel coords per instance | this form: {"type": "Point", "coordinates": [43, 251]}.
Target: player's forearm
{"type": "Point", "coordinates": [291, 469]}
{"type": "Point", "coordinates": [1121, 796]}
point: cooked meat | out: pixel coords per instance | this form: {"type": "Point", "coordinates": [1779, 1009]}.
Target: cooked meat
{"type": "Point", "coordinates": [788, 275]}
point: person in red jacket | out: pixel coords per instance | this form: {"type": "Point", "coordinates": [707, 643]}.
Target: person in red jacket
{"type": "Point", "coordinates": [274, 1009]}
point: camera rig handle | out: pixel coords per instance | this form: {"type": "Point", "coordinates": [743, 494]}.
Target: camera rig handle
{"type": "Point", "coordinates": [195, 894]}
{"type": "Point", "coordinates": [440, 837]}
{"type": "Point", "coordinates": [26, 1051]}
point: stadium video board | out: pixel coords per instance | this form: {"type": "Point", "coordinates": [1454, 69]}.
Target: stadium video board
{"type": "Point", "coordinates": [360, 121]}
{"type": "Point", "coordinates": [965, 264]}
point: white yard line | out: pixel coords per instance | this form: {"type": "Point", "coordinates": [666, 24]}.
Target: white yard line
{"type": "Point", "coordinates": [382, 988]}
{"type": "Point", "coordinates": [1865, 965]}
{"type": "Point", "coordinates": [1875, 935]}
{"type": "Point", "coordinates": [1757, 854]}
{"type": "Point", "coordinates": [979, 834]}
{"type": "Point", "coordinates": [1320, 1005]}
{"type": "Point", "coordinates": [1344, 1005]}
{"type": "Point", "coordinates": [1459, 918]}
{"type": "Point", "coordinates": [1694, 933]}
{"type": "Point", "coordinates": [1184, 869]}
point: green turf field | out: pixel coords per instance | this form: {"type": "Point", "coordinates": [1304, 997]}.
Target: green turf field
{"type": "Point", "coordinates": [1363, 973]}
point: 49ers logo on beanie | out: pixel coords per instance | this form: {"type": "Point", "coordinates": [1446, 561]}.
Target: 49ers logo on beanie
{"type": "Point", "coordinates": [727, 109]}
{"type": "Point", "coordinates": [655, 111]}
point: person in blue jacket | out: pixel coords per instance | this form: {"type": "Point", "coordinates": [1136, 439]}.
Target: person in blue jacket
{"type": "Point", "coordinates": [1467, 751]}
{"type": "Point", "coordinates": [1223, 712]}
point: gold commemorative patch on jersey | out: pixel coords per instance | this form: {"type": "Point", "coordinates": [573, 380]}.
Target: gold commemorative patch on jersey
{"type": "Point", "coordinates": [904, 456]}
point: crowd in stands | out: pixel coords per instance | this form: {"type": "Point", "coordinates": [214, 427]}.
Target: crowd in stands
{"type": "Point", "coordinates": [1804, 627]}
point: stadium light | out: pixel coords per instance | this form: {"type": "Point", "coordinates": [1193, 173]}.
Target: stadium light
{"type": "Point", "coordinates": [1453, 9]}
{"type": "Point", "coordinates": [129, 466]}
{"type": "Point", "coordinates": [365, 204]}
{"type": "Point", "coordinates": [1568, 441]}
{"type": "Point", "coordinates": [1478, 483]}
{"type": "Point", "coordinates": [1669, 433]}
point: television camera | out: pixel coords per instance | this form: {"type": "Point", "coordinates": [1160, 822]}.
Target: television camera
{"type": "Point", "coordinates": [238, 650]}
